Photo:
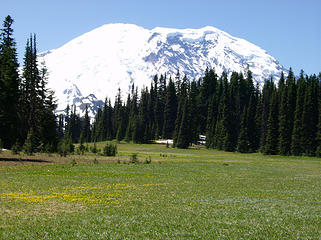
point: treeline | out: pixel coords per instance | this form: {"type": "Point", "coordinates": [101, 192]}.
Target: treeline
{"type": "Point", "coordinates": [27, 118]}
{"type": "Point", "coordinates": [233, 113]}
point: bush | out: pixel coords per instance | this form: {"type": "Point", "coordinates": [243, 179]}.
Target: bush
{"type": "Point", "coordinates": [93, 149]}
{"type": "Point", "coordinates": [29, 146]}
{"type": "Point", "coordinates": [110, 149]}
{"type": "Point", "coordinates": [73, 162]}
{"type": "Point", "coordinates": [133, 158]}
{"type": "Point", "coordinates": [15, 148]}
{"type": "Point", "coordinates": [148, 160]}
{"type": "Point", "coordinates": [81, 148]}
{"type": "Point", "coordinates": [65, 146]}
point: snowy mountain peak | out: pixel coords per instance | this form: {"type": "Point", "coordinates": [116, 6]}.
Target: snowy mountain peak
{"type": "Point", "coordinates": [116, 55]}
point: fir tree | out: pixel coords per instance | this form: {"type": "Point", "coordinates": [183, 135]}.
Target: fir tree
{"type": "Point", "coordinates": [37, 101]}
{"type": "Point", "coordinates": [227, 121]}
{"type": "Point", "coordinates": [170, 111]}
{"type": "Point", "coordinates": [183, 137]}
{"type": "Point", "coordinates": [193, 103]}
{"type": "Point", "coordinates": [9, 86]}
{"type": "Point", "coordinates": [297, 144]}
{"type": "Point", "coordinates": [251, 125]}
{"type": "Point", "coordinates": [318, 136]}
{"type": "Point", "coordinates": [86, 126]}
{"type": "Point", "coordinates": [267, 91]}
{"type": "Point", "coordinates": [30, 144]}
{"type": "Point", "coordinates": [243, 145]}
{"type": "Point", "coordinates": [310, 116]}
{"type": "Point", "coordinates": [287, 108]}
{"type": "Point", "coordinates": [271, 146]}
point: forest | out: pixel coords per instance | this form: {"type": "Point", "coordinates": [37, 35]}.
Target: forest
{"type": "Point", "coordinates": [231, 110]}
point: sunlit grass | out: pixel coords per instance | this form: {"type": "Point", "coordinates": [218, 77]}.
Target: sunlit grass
{"type": "Point", "coordinates": [182, 194]}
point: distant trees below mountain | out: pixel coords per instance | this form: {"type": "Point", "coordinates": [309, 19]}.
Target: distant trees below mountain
{"type": "Point", "coordinates": [233, 113]}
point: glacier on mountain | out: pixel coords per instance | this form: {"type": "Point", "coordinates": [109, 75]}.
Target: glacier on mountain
{"type": "Point", "coordinates": [93, 66]}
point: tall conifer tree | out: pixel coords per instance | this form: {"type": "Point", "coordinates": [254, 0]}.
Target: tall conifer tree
{"type": "Point", "coordinates": [170, 111]}
{"type": "Point", "coordinates": [9, 86]}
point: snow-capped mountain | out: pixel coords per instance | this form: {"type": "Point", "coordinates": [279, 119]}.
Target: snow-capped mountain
{"type": "Point", "coordinates": [93, 66]}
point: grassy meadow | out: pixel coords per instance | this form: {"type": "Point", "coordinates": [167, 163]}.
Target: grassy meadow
{"type": "Point", "coordinates": [181, 194]}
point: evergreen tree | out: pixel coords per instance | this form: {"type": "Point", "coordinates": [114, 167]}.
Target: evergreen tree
{"type": "Point", "coordinates": [183, 137]}
{"type": "Point", "coordinates": [182, 98]}
{"type": "Point", "coordinates": [233, 105]}
{"type": "Point", "coordinates": [30, 145]}
{"type": "Point", "coordinates": [37, 101]}
{"type": "Point", "coordinates": [287, 108]}
{"type": "Point", "coordinates": [120, 117]}
{"type": "Point", "coordinates": [220, 131]}
{"type": "Point", "coordinates": [170, 111]}
{"type": "Point", "coordinates": [252, 128]}
{"type": "Point", "coordinates": [159, 105]}
{"type": "Point", "coordinates": [207, 89]}
{"type": "Point", "coordinates": [297, 145]}
{"type": "Point", "coordinates": [271, 145]}
{"type": "Point", "coordinates": [227, 121]}
{"type": "Point", "coordinates": [267, 91]}
{"type": "Point", "coordinates": [193, 103]}
{"type": "Point", "coordinates": [133, 115]}
{"type": "Point", "coordinates": [318, 136]}
{"type": "Point", "coordinates": [86, 126]}
{"type": "Point", "coordinates": [9, 86]}
{"type": "Point", "coordinates": [310, 116]}
{"type": "Point", "coordinates": [243, 145]}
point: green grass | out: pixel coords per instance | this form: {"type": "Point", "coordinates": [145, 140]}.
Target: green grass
{"type": "Point", "coordinates": [182, 194]}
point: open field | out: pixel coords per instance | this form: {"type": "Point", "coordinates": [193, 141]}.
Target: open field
{"type": "Point", "coordinates": [182, 194]}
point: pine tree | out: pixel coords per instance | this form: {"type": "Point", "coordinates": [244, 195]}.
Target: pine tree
{"type": "Point", "coordinates": [86, 126]}
{"type": "Point", "coordinates": [310, 116]}
{"type": "Point", "coordinates": [30, 145]}
{"type": "Point", "coordinates": [318, 135]}
{"type": "Point", "coordinates": [183, 137]}
{"type": "Point", "coordinates": [267, 91]}
{"type": "Point", "coordinates": [252, 128]}
{"type": "Point", "coordinates": [207, 89]}
{"type": "Point", "coordinates": [271, 145]}
{"type": "Point", "coordinates": [9, 86]}
{"type": "Point", "coordinates": [297, 134]}
{"type": "Point", "coordinates": [37, 101]}
{"type": "Point", "coordinates": [234, 105]}
{"type": "Point", "coordinates": [120, 117]}
{"type": "Point", "coordinates": [287, 108]}
{"type": "Point", "coordinates": [182, 98]}
{"type": "Point", "coordinates": [193, 103]}
{"type": "Point", "coordinates": [170, 111]}
{"type": "Point", "coordinates": [159, 105]}
{"type": "Point", "coordinates": [220, 131]}
{"type": "Point", "coordinates": [243, 145]}
{"type": "Point", "coordinates": [227, 120]}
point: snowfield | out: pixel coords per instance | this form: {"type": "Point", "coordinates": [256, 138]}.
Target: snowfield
{"type": "Point", "coordinates": [93, 66]}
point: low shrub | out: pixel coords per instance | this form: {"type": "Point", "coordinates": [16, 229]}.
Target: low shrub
{"type": "Point", "coordinates": [134, 158]}
{"type": "Point", "coordinates": [148, 160]}
{"type": "Point", "coordinates": [110, 149]}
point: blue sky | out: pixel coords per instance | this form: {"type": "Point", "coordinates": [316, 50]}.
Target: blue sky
{"type": "Point", "coordinates": [288, 30]}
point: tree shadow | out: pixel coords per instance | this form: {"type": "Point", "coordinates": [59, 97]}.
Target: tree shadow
{"type": "Point", "coordinates": [24, 160]}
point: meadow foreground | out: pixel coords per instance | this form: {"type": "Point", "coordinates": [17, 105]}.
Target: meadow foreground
{"type": "Point", "coordinates": [181, 194]}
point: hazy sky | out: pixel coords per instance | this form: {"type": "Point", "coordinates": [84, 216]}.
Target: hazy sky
{"type": "Point", "coordinates": [289, 30]}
